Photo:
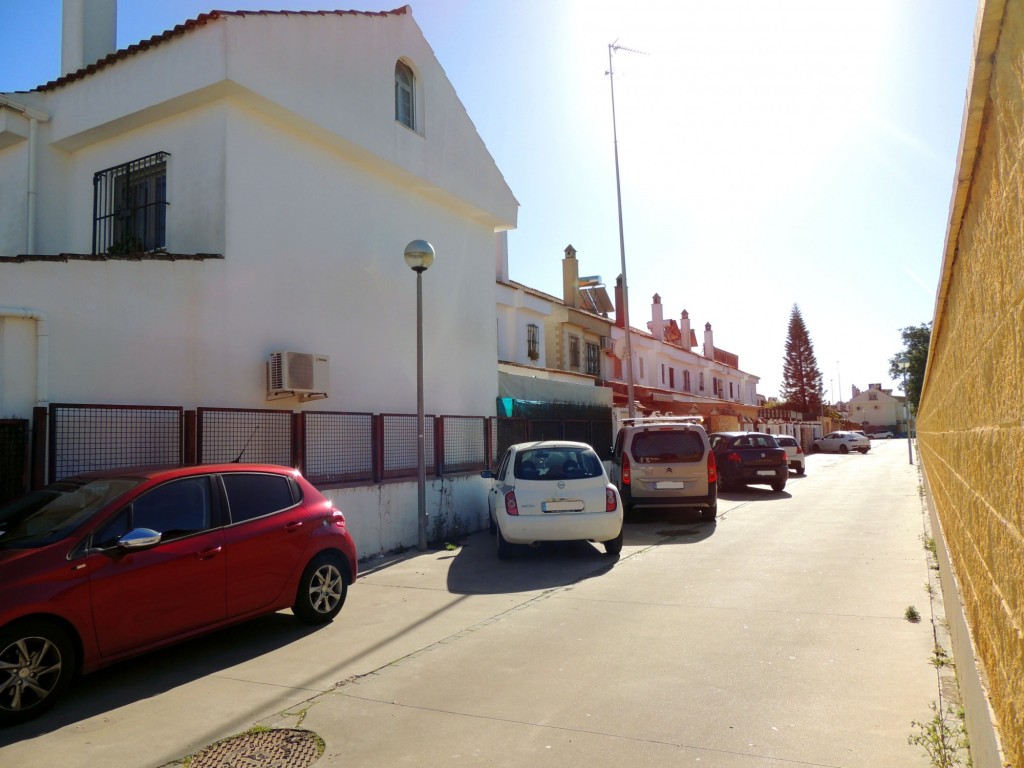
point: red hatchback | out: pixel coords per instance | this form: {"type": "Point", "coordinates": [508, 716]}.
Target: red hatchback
{"type": "Point", "coordinates": [107, 565]}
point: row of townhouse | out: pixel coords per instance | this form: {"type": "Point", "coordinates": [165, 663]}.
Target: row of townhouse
{"type": "Point", "coordinates": [177, 213]}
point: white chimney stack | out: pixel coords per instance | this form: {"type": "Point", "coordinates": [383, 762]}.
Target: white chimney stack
{"type": "Point", "coordinates": [709, 342]}
{"type": "Point", "coordinates": [88, 34]}
{"type": "Point", "coordinates": [684, 331]}
{"type": "Point", "coordinates": [657, 319]}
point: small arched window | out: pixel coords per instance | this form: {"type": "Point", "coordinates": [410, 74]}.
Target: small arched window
{"type": "Point", "coordinates": [405, 95]}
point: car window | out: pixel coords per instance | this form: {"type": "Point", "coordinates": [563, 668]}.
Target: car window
{"type": "Point", "coordinates": [252, 495]}
{"type": "Point", "coordinates": [51, 513]}
{"type": "Point", "coordinates": [785, 441]}
{"type": "Point", "coordinates": [564, 463]}
{"type": "Point", "coordinates": [667, 446]}
{"type": "Point", "coordinates": [503, 468]}
{"type": "Point", "coordinates": [763, 441]}
{"type": "Point", "coordinates": [174, 509]}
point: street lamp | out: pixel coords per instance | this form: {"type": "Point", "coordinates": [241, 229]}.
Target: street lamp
{"type": "Point", "coordinates": [419, 255]}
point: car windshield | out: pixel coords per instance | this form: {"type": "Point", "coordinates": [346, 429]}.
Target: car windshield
{"type": "Point", "coordinates": [661, 447]}
{"type": "Point", "coordinates": [557, 463]}
{"type": "Point", "coordinates": [50, 514]}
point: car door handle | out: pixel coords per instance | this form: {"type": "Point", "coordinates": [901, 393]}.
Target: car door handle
{"type": "Point", "coordinates": [293, 526]}
{"type": "Point", "coordinates": [209, 553]}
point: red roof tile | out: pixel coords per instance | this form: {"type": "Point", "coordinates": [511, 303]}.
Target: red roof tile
{"type": "Point", "coordinates": [181, 29]}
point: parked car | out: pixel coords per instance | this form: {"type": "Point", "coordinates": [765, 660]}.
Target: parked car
{"type": "Point", "coordinates": [794, 453]}
{"type": "Point", "coordinates": [886, 435]}
{"type": "Point", "coordinates": [841, 441]}
{"type": "Point", "coordinates": [665, 462]}
{"type": "Point", "coordinates": [107, 565]}
{"type": "Point", "coordinates": [552, 491]}
{"type": "Point", "coordinates": [746, 458]}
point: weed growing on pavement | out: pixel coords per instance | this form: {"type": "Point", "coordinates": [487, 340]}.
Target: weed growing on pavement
{"type": "Point", "coordinates": [940, 658]}
{"type": "Point", "coordinates": [929, 543]}
{"type": "Point", "coordinates": [449, 531]}
{"type": "Point", "coordinates": [943, 737]}
{"type": "Point", "coordinates": [929, 588]}
{"type": "Point", "coordinates": [912, 615]}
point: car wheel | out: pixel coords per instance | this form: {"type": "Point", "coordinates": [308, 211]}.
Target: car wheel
{"type": "Point", "coordinates": [37, 663]}
{"type": "Point", "coordinates": [843, 449]}
{"type": "Point", "coordinates": [504, 548]}
{"type": "Point", "coordinates": [614, 546]}
{"type": "Point", "coordinates": [322, 590]}
{"type": "Point", "coordinates": [710, 513]}
{"type": "Point", "coordinates": [865, 451]}
{"type": "Point", "coordinates": [801, 472]}
{"type": "Point", "coordinates": [779, 487]}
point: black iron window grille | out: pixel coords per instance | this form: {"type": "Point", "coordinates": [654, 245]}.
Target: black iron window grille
{"type": "Point", "coordinates": [574, 352]}
{"type": "Point", "coordinates": [593, 359]}
{"type": "Point", "coordinates": [533, 341]}
{"type": "Point", "coordinates": [130, 206]}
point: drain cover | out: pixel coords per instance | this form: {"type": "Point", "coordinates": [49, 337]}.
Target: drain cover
{"type": "Point", "coordinates": [278, 748]}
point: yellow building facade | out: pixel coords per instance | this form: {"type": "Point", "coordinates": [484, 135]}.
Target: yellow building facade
{"type": "Point", "coordinates": [970, 424]}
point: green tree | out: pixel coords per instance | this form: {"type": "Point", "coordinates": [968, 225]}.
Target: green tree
{"type": "Point", "coordinates": [802, 388]}
{"type": "Point", "coordinates": [916, 340]}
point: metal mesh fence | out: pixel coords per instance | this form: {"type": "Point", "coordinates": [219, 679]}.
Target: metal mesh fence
{"type": "Point", "coordinates": [399, 447]}
{"type": "Point", "coordinates": [338, 447]}
{"type": "Point", "coordinates": [235, 434]}
{"type": "Point", "coordinates": [465, 448]}
{"type": "Point", "coordinates": [88, 437]}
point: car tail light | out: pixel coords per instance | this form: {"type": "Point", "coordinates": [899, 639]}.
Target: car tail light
{"type": "Point", "coordinates": [611, 501]}
{"type": "Point", "coordinates": [511, 507]}
{"type": "Point", "coordinates": [735, 457]}
{"type": "Point", "coordinates": [712, 469]}
{"type": "Point", "coordinates": [799, 450]}
{"type": "Point", "coordinates": [626, 478]}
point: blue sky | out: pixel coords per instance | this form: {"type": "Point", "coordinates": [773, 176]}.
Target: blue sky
{"type": "Point", "coordinates": [771, 153]}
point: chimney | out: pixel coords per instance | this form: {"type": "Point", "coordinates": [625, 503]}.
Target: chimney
{"type": "Point", "coordinates": [657, 319]}
{"type": "Point", "coordinates": [570, 278]}
{"type": "Point", "coordinates": [684, 331]}
{"type": "Point", "coordinates": [709, 342]}
{"type": "Point", "coordinates": [88, 33]}
{"type": "Point", "coordinates": [501, 257]}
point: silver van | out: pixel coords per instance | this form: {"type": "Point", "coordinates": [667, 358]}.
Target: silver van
{"type": "Point", "coordinates": [665, 461]}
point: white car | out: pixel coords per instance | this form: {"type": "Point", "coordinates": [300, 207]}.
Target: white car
{"type": "Point", "coordinates": [794, 453]}
{"type": "Point", "coordinates": [553, 491]}
{"type": "Point", "coordinates": [842, 442]}
{"type": "Point", "coordinates": [882, 436]}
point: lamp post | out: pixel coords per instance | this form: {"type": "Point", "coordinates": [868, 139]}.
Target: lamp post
{"type": "Point", "coordinates": [419, 255]}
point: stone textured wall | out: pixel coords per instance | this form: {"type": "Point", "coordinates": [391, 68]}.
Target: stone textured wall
{"type": "Point", "coordinates": [971, 418]}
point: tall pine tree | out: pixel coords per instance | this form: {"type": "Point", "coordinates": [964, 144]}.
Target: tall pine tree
{"type": "Point", "coordinates": [802, 388]}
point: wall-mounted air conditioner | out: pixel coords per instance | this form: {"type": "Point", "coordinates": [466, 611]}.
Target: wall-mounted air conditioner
{"type": "Point", "coordinates": [606, 342]}
{"type": "Point", "coordinates": [297, 374]}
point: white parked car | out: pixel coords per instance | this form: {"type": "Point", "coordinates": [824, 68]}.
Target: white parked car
{"type": "Point", "coordinates": [553, 491]}
{"type": "Point", "coordinates": [882, 435]}
{"type": "Point", "coordinates": [842, 442]}
{"type": "Point", "coordinates": [794, 453]}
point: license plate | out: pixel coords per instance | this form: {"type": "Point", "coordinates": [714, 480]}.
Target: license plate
{"type": "Point", "coordinates": [766, 472]}
{"type": "Point", "coordinates": [670, 485]}
{"type": "Point", "coordinates": [562, 506]}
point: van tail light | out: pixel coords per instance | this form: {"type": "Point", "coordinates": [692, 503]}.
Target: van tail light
{"type": "Point", "coordinates": [626, 477]}
{"type": "Point", "coordinates": [712, 469]}
{"type": "Point", "coordinates": [511, 507]}
{"type": "Point", "coordinates": [611, 500]}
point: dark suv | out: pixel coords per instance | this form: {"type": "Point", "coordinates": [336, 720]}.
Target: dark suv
{"type": "Point", "coordinates": [665, 462]}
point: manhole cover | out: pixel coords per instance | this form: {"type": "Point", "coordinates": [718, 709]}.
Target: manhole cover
{"type": "Point", "coordinates": [278, 748]}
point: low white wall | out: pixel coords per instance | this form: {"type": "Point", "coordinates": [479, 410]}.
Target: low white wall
{"type": "Point", "coordinates": [382, 518]}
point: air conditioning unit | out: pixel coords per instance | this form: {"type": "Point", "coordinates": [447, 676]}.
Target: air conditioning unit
{"type": "Point", "coordinates": [606, 342]}
{"type": "Point", "coordinates": [298, 374]}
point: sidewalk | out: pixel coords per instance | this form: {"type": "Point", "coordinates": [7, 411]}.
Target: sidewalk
{"type": "Point", "coordinates": [776, 637]}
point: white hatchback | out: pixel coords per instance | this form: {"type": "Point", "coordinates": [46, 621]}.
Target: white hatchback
{"type": "Point", "coordinates": [552, 491]}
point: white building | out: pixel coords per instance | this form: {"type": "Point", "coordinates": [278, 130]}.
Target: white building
{"type": "Point", "coordinates": [877, 407]}
{"type": "Point", "coordinates": [174, 212]}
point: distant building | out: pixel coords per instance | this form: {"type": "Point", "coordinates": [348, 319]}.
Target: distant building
{"type": "Point", "coordinates": [877, 407]}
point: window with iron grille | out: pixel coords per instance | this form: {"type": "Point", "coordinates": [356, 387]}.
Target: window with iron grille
{"type": "Point", "coordinates": [574, 351]}
{"type": "Point", "coordinates": [686, 381]}
{"type": "Point", "coordinates": [533, 341]}
{"type": "Point", "coordinates": [130, 206]}
{"type": "Point", "coordinates": [593, 359]}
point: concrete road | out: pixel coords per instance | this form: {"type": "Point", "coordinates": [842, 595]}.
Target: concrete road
{"type": "Point", "coordinates": [775, 637]}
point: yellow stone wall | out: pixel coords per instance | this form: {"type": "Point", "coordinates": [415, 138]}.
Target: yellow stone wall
{"type": "Point", "coordinates": [971, 417]}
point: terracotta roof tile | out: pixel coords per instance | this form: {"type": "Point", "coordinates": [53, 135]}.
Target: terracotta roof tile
{"type": "Point", "coordinates": [181, 29]}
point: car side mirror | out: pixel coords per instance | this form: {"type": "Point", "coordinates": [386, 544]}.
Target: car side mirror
{"type": "Point", "coordinates": [140, 538]}
{"type": "Point", "coordinates": [487, 474]}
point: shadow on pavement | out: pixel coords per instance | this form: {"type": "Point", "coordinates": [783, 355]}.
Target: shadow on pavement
{"type": "Point", "coordinates": [154, 673]}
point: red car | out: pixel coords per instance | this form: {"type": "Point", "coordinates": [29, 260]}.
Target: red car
{"type": "Point", "coordinates": [111, 564]}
